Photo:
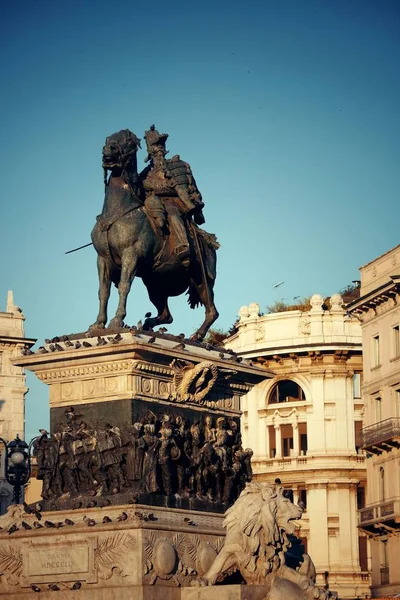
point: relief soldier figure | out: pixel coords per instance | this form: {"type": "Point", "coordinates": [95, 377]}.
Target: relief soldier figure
{"type": "Point", "coordinates": [135, 453]}
{"type": "Point", "coordinates": [168, 452]}
{"type": "Point", "coordinates": [152, 443]}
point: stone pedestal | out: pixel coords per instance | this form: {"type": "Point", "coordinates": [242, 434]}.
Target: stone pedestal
{"type": "Point", "coordinates": [100, 387]}
{"type": "Point", "coordinates": [96, 536]}
{"type": "Point", "coordinates": [116, 552]}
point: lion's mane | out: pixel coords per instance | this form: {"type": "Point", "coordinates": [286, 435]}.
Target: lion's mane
{"type": "Point", "coordinates": [251, 522]}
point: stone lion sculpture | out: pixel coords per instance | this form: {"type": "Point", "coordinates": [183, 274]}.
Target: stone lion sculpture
{"type": "Point", "coordinates": [258, 526]}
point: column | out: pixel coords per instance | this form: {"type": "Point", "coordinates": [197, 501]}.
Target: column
{"type": "Point", "coordinates": [278, 441]}
{"type": "Point", "coordinates": [296, 439]}
{"type": "Point", "coordinates": [267, 441]}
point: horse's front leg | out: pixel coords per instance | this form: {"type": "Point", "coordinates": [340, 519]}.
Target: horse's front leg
{"type": "Point", "coordinates": [128, 271]}
{"type": "Point", "coordinates": [103, 268]}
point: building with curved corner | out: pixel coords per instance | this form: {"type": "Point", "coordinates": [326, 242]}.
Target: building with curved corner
{"type": "Point", "coordinates": [378, 310]}
{"type": "Point", "coordinates": [12, 386]}
{"type": "Point", "coordinates": [305, 424]}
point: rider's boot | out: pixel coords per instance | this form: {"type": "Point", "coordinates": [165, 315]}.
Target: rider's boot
{"type": "Point", "coordinates": [183, 252]}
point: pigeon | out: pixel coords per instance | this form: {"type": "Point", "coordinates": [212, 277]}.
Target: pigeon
{"type": "Point", "coordinates": [87, 344]}
{"type": "Point", "coordinates": [58, 347]}
{"type": "Point", "coordinates": [35, 588]}
{"type": "Point", "coordinates": [68, 343]}
{"type": "Point", "coordinates": [89, 522]}
{"type": "Point", "coordinates": [69, 522]}
{"type": "Point", "coordinates": [151, 340]}
{"type": "Point", "coordinates": [28, 509]}
{"type": "Point", "coordinates": [53, 587]}
{"type": "Point", "coordinates": [106, 520]}
{"type": "Point", "coordinates": [91, 503]}
{"type": "Point", "coordinates": [179, 347]}
{"type": "Point", "coordinates": [122, 517]}
{"type": "Point", "coordinates": [101, 341]}
{"type": "Point", "coordinates": [12, 529]}
{"type": "Point", "coordinates": [37, 525]}
{"type": "Point", "coordinates": [208, 347]}
{"type": "Point", "coordinates": [52, 348]}
{"type": "Point", "coordinates": [78, 344]}
{"type": "Point", "coordinates": [49, 524]}
{"type": "Point", "coordinates": [55, 340]}
{"type": "Point", "coordinates": [162, 330]}
{"type": "Point", "coordinates": [26, 525]}
{"type": "Point", "coordinates": [64, 338]}
{"type": "Point", "coordinates": [181, 336]}
{"type": "Point", "coordinates": [221, 355]}
{"type": "Point", "coordinates": [77, 585]}
{"type": "Point", "coordinates": [47, 341]}
{"type": "Point", "coordinates": [139, 325]}
{"type": "Point", "coordinates": [42, 350]}
{"type": "Point", "coordinates": [27, 352]}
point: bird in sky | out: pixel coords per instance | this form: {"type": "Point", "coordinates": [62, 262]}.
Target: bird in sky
{"type": "Point", "coordinates": [278, 284]}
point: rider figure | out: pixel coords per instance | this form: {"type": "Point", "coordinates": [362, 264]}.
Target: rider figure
{"type": "Point", "coordinates": [170, 190]}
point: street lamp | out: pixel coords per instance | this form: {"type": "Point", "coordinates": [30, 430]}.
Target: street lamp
{"type": "Point", "coordinates": [17, 465]}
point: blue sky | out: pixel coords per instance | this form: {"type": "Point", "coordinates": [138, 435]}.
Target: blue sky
{"type": "Point", "coordinates": [287, 111]}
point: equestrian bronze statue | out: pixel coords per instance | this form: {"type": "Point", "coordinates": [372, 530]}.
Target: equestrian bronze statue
{"type": "Point", "coordinates": [149, 228]}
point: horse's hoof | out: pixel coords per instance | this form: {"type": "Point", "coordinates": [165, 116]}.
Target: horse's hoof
{"type": "Point", "coordinates": [116, 323]}
{"type": "Point", "coordinates": [95, 329]}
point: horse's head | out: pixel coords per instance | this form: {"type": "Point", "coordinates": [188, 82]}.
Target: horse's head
{"type": "Point", "coordinates": [119, 149]}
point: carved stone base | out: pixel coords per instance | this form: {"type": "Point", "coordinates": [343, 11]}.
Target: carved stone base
{"type": "Point", "coordinates": [115, 553]}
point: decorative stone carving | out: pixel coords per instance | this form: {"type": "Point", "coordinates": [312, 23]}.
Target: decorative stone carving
{"type": "Point", "coordinates": [11, 563]}
{"type": "Point", "coordinates": [305, 326]}
{"type": "Point", "coordinates": [254, 310]}
{"type": "Point", "coordinates": [164, 455]}
{"type": "Point", "coordinates": [259, 333]}
{"type": "Point", "coordinates": [259, 526]}
{"type": "Point", "coordinates": [193, 382]}
{"type": "Point", "coordinates": [336, 302]}
{"type": "Point", "coordinates": [316, 302]}
{"type": "Point", "coordinates": [243, 313]}
{"type": "Point", "coordinates": [110, 554]}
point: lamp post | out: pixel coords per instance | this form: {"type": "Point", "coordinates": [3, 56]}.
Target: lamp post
{"type": "Point", "coordinates": [17, 465]}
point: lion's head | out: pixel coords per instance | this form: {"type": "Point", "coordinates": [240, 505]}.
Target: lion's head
{"type": "Point", "coordinates": [258, 523]}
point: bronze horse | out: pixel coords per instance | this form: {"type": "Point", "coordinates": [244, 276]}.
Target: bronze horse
{"type": "Point", "coordinates": [128, 246]}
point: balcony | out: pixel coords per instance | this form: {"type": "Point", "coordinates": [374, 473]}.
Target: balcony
{"type": "Point", "coordinates": [382, 436]}
{"type": "Point", "coordinates": [380, 518]}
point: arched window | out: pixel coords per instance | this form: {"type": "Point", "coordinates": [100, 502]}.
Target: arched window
{"type": "Point", "coordinates": [286, 391]}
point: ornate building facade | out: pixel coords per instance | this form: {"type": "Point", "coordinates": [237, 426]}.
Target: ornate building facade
{"type": "Point", "coordinates": [12, 385]}
{"type": "Point", "coordinates": [378, 310]}
{"type": "Point", "coordinates": [304, 426]}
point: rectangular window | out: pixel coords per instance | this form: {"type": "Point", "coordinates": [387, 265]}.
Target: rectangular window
{"type": "Point", "coordinates": [363, 553]}
{"type": "Point", "coordinates": [303, 443]}
{"type": "Point", "coordinates": [396, 341]}
{"type": "Point", "coordinates": [302, 498]}
{"type": "Point", "coordinates": [358, 435]}
{"type": "Point", "coordinates": [361, 501]}
{"type": "Point", "coordinates": [357, 385]}
{"type": "Point", "coordinates": [376, 358]}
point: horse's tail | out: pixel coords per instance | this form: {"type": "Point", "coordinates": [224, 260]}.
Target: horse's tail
{"type": "Point", "coordinates": [208, 244]}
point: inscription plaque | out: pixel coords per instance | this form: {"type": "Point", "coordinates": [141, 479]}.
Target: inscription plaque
{"type": "Point", "coordinates": [60, 561]}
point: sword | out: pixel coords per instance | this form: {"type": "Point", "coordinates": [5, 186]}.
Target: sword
{"type": "Point", "coordinates": [80, 248]}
